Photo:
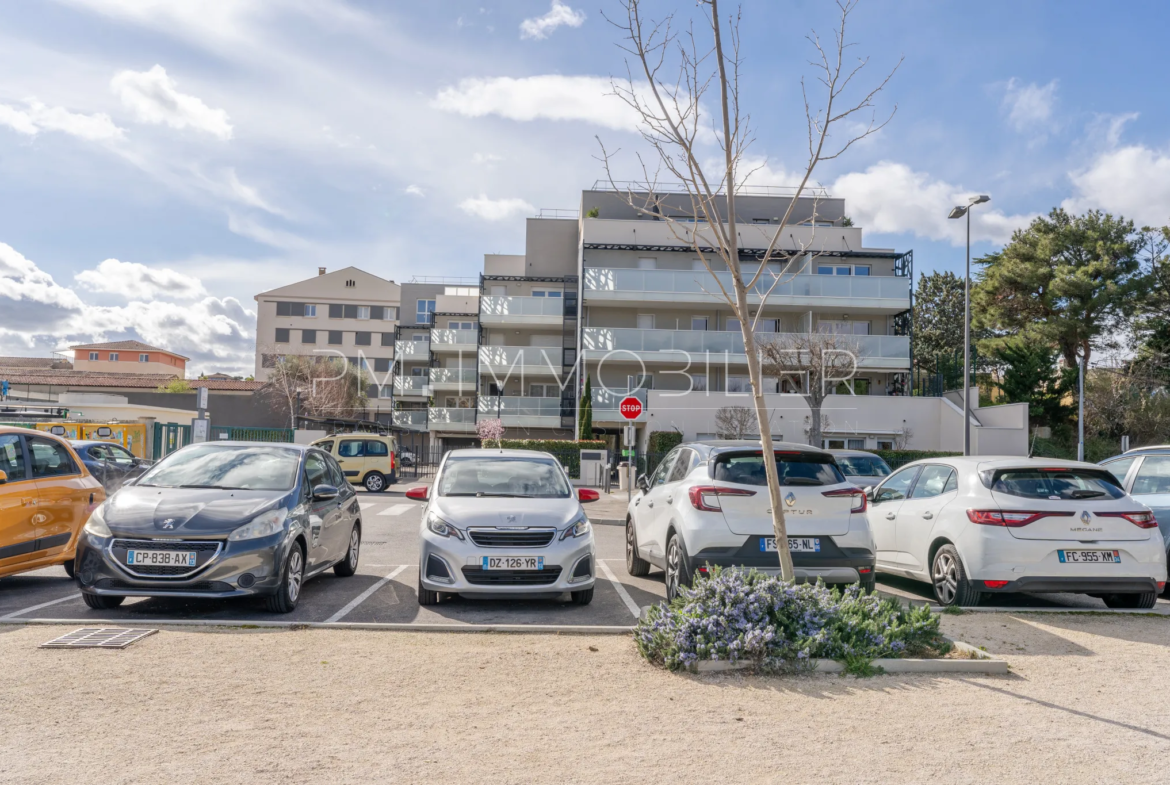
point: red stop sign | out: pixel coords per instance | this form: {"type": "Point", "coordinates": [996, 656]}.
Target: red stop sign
{"type": "Point", "coordinates": [630, 407]}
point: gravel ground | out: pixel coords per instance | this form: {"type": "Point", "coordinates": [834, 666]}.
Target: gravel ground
{"type": "Point", "coordinates": [1084, 703]}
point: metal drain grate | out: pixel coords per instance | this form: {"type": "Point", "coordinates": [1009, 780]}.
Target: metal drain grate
{"type": "Point", "coordinates": [97, 638]}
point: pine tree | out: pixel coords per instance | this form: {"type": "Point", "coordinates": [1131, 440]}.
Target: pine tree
{"type": "Point", "coordinates": [1032, 377]}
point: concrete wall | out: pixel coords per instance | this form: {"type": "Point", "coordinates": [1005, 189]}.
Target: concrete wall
{"type": "Point", "coordinates": [550, 246]}
{"type": "Point", "coordinates": [503, 264]}
{"type": "Point", "coordinates": [128, 362]}
{"type": "Point", "coordinates": [242, 410]}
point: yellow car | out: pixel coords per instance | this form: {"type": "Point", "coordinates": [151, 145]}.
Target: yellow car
{"type": "Point", "coordinates": [368, 459]}
{"type": "Point", "coordinates": [46, 496]}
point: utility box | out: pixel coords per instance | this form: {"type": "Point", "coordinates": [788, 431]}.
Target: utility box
{"type": "Point", "coordinates": [594, 467]}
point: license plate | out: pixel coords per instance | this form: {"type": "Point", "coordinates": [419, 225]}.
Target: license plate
{"type": "Point", "coordinates": [1089, 557]}
{"type": "Point", "coordinates": [160, 558]}
{"type": "Point", "coordinates": [795, 544]}
{"type": "Point", "coordinates": [513, 562]}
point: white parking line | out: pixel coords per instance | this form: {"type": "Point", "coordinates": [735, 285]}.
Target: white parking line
{"type": "Point", "coordinates": [621, 590]}
{"type": "Point", "coordinates": [396, 509]}
{"type": "Point", "coordinates": [23, 611]}
{"type": "Point", "coordinates": [358, 600]}
{"type": "Point", "coordinates": [368, 505]}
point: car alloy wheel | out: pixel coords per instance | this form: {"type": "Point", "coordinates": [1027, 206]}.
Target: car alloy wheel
{"type": "Point", "coordinates": [355, 543]}
{"type": "Point", "coordinates": [945, 577]}
{"type": "Point", "coordinates": [673, 568]}
{"type": "Point", "coordinates": [296, 575]}
{"type": "Point", "coordinates": [375, 482]}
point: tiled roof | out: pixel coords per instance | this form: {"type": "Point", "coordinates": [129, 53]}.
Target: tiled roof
{"type": "Point", "coordinates": [15, 376]}
{"type": "Point", "coordinates": [129, 346]}
{"type": "Point", "coordinates": [32, 362]}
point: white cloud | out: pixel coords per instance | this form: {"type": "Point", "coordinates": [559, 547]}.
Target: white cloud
{"type": "Point", "coordinates": [139, 282]}
{"type": "Point", "coordinates": [486, 158]}
{"type": "Point", "coordinates": [37, 117]}
{"type": "Point", "coordinates": [154, 98]}
{"type": "Point", "coordinates": [891, 198]}
{"type": "Point", "coordinates": [1133, 181]}
{"type": "Point", "coordinates": [1029, 106]}
{"type": "Point", "coordinates": [414, 190]}
{"type": "Point", "coordinates": [560, 14]}
{"type": "Point", "coordinates": [547, 97]}
{"type": "Point", "coordinates": [495, 209]}
{"type": "Point", "coordinates": [254, 230]}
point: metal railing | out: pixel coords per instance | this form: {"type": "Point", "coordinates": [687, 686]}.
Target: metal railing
{"type": "Point", "coordinates": [854, 287]}
{"type": "Point", "coordinates": [718, 342]}
{"type": "Point", "coordinates": [557, 212]}
{"type": "Point", "coordinates": [679, 188]}
{"type": "Point", "coordinates": [521, 306]}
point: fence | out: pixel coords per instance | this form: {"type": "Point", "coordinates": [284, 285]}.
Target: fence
{"type": "Point", "coordinates": [169, 437]}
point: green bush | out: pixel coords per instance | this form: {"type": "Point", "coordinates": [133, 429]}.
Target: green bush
{"type": "Point", "coordinates": [664, 441]}
{"type": "Point", "coordinates": [899, 458]}
{"type": "Point", "coordinates": [565, 451]}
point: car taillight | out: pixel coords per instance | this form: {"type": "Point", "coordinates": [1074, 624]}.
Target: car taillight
{"type": "Point", "coordinates": [860, 494]}
{"type": "Point", "coordinates": [1142, 520]}
{"type": "Point", "coordinates": [1011, 518]}
{"type": "Point", "coordinates": [706, 497]}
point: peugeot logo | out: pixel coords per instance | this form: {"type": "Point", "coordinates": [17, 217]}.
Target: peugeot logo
{"type": "Point", "coordinates": [790, 499]}
{"type": "Point", "coordinates": [510, 518]}
{"type": "Point", "coordinates": [169, 523]}
{"type": "Point", "coordinates": [1085, 517]}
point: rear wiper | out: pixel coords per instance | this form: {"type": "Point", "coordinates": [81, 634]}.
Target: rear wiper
{"type": "Point", "coordinates": [801, 481]}
{"type": "Point", "coordinates": [1081, 493]}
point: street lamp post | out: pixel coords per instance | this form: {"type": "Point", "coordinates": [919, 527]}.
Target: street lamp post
{"type": "Point", "coordinates": [959, 212]}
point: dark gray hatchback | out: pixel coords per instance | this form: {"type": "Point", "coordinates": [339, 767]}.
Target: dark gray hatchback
{"type": "Point", "coordinates": [223, 519]}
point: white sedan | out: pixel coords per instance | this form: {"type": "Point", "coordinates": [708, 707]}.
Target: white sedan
{"type": "Point", "coordinates": [978, 525]}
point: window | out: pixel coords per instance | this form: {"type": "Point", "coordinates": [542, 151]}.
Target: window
{"type": "Point", "coordinates": [350, 448]}
{"type": "Point", "coordinates": [645, 321]}
{"type": "Point", "coordinates": [461, 325]}
{"type": "Point", "coordinates": [809, 468]}
{"type": "Point", "coordinates": [862, 466]}
{"type": "Point", "coordinates": [390, 312]}
{"type": "Point", "coordinates": [544, 391]}
{"type": "Point", "coordinates": [387, 339]}
{"type": "Point", "coordinates": [834, 444]}
{"type": "Point", "coordinates": [855, 444]}
{"type": "Point", "coordinates": [12, 457]}
{"type": "Point", "coordinates": [416, 371]}
{"type": "Point", "coordinates": [547, 292]}
{"type": "Point", "coordinates": [424, 309]}
{"type": "Point", "coordinates": [363, 312]}
{"type": "Point", "coordinates": [120, 455]}
{"type": "Point", "coordinates": [698, 322]}
{"type": "Point", "coordinates": [335, 473]}
{"type": "Point", "coordinates": [739, 384]}
{"type": "Point", "coordinates": [113, 357]}
{"type": "Point", "coordinates": [326, 446]}
{"type": "Point", "coordinates": [382, 364]}
{"type": "Point", "coordinates": [647, 263]}
{"type": "Point", "coordinates": [1120, 467]}
{"type": "Point", "coordinates": [377, 448]}
{"type": "Point", "coordinates": [350, 311]}
{"type": "Point", "coordinates": [854, 386]}
{"type": "Point", "coordinates": [308, 336]}
{"type": "Point", "coordinates": [362, 339]}
{"type": "Point", "coordinates": [663, 470]}
{"type": "Point", "coordinates": [527, 477]}
{"type": "Point", "coordinates": [335, 337]}
{"type": "Point", "coordinates": [144, 358]}
{"type": "Point", "coordinates": [699, 382]}
{"type": "Point", "coordinates": [767, 325]}
{"type": "Point", "coordinates": [682, 465]}
{"type": "Point", "coordinates": [93, 355]}
{"type": "Point", "coordinates": [860, 270]}
{"type": "Point", "coordinates": [48, 458]}
{"type": "Point", "coordinates": [731, 324]}
{"type": "Point", "coordinates": [316, 470]}
{"type": "Point", "coordinates": [336, 311]}
{"type": "Point", "coordinates": [885, 445]}
{"type": "Point", "coordinates": [834, 269]}
{"type": "Point", "coordinates": [843, 327]}
{"type": "Point", "coordinates": [896, 486]}
{"type": "Point", "coordinates": [1153, 475]}
{"type": "Point", "coordinates": [932, 482]}
{"type": "Point", "coordinates": [461, 291]}
{"type": "Point", "coordinates": [1056, 484]}
{"type": "Point", "coordinates": [644, 381]}
{"type": "Point", "coordinates": [295, 309]}
{"type": "Point", "coordinates": [698, 266]}
{"type": "Point", "coordinates": [282, 334]}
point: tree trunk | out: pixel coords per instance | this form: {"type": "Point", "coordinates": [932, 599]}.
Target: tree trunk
{"type": "Point", "coordinates": [815, 436]}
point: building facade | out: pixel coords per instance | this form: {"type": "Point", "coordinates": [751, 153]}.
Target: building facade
{"type": "Point", "coordinates": [127, 357]}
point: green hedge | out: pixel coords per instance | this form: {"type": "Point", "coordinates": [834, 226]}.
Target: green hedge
{"type": "Point", "coordinates": [664, 441]}
{"type": "Point", "coordinates": [899, 458]}
{"type": "Point", "coordinates": [567, 452]}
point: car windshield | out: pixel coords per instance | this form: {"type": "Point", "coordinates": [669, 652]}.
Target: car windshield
{"type": "Point", "coordinates": [537, 478]}
{"type": "Point", "coordinates": [793, 469]}
{"type": "Point", "coordinates": [863, 466]}
{"type": "Point", "coordinates": [1057, 483]}
{"type": "Point", "coordinates": [226, 467]}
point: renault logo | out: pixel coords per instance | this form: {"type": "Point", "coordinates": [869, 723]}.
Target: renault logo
{"type": "Point", "coordinates": [790, 499]}
{"type": "Point", "coordinates": [510, 518]}
{"type": "Point", "coordinates": [1085, 517]}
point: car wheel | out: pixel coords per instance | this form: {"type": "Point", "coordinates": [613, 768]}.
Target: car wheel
{"type": "Point", "coordinates": [292, 579]}
{"type": "Point", "coordinates": [869, 584]}
{"type": "Point", "coordinates": [375, 482]}
{"type": "Point", "coordinates": [68, 565]}
{"type": "Point", "coordinates": [951, 586]}
{"type": "Point", "coordinates": [102, 602]}
{"type": "Point", "coordinates": [678, 570]}
{"type": "Point", "coordinates": [426, 596]}
{"type": "Point", "coordinates": [1145, 599]}
{"type": "Point", "coordinates": [583, 597]}
{"type": "Point", "coordinates": [634, 564]}
{"type": "Point", "coordinates": [348, 566]}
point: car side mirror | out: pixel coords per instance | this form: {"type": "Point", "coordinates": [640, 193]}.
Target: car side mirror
{"type": "Point", "coordinates": [643, 484]}
{"type": "Point", "coordinates": [587, 495]}
{"type": "Point", "coordinates": [419, 494]}
{"type": "Point", "coordinates": [323, 492]}
{"type": "Point", "coordinates": [3, 477]}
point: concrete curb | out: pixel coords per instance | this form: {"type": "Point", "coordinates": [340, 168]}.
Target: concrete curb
{"type": "Point", "coordinates": [532, 629]}
{"type": "Point", "coordinates": [981, 662]}
{"type": "Point", "coordinates": [608, 521]}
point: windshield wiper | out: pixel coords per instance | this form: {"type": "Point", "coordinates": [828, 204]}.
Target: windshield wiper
{"type": "Point", "coordinates": [210, 487]}
{"type": "Point", "coordinates": [1083, 493]}
{"type": "Point", "coordinates": [506, 495]}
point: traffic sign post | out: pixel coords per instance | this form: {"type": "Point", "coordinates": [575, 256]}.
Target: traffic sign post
{"type": "Point", "coordinates": [631, 409]}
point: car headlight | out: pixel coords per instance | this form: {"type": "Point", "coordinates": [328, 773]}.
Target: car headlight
{"type": "Point", "coordinates": [578, 528]}
{"type": "Point", "coordinates": [96, 525]}
{"type": "Point", "coordinates": [441, 527]}
{"type": "Point", "coordinates": [263, 525]}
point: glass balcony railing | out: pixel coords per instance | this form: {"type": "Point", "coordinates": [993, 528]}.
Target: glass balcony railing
{"type": "Point", "coordinates": [519, 406]}
{"type": "Point", "coordinates": [521, 357]}
{"type": "Point", "coordinates": [454, 338]}
{"type": "Point", "coordinates": [521, 306]}
{"type": "Point", "coordinates": [609, 339]}
{"type": "Point", "coordinates": [465, 377]}
{"type": "Point", "coordinates": [859, 287]}
{"type": "Point", "coordinates": [411, 350]}
{"type": "Point", "coordinates": [416, 418]}
{"type": "Point", "coordinates": [411, 385]}
{"type": "Point", "coordinates": [440, 416]}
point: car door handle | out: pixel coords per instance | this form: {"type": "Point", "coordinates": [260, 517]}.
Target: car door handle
{"type": "Point", "coordinates": [889, 516]}
{"type": "Point", "coordinates": [670, 500]}
{"type": "Point", "coordinates": [649, 504]}
{"type": "Point", "coordinates": [928, 515]}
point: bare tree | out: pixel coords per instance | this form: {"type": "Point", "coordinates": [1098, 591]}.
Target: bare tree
{"type": "Point", "coordinates": [674, 72]}
{"type": "Point", "coordinates": [815, 363]}
{"type": "Point", "coordinates": [315, 386]}
{"type": "Point", "coordinates": [903, 438]}
{"type": "Point", "coordinates": [735, 422]}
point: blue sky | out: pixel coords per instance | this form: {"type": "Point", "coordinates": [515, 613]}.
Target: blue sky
{"type": "Point", "coordinates": [162, 162]}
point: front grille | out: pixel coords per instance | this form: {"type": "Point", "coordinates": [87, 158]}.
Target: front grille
{"type": "Point", "coordinates": [496, 538]}
{"type": "Point", "coordinates": [205, 551]}
{"type": "Point", "coordinates": [482, 577]}
{"type": "Point", "coordinates": [203, 586]}
{"type": "Point", "coordinates": [199, 546]}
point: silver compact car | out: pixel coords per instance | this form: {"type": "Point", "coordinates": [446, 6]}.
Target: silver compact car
{"type": "Point", "coordinates": [504, 522]}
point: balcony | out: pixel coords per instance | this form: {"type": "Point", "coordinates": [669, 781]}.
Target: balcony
{"type": "Point", "coordinates": [443, 419]}
{"type": "Point", "coordinates": [462, 380]}
{"type": "Point", "coordinates": [415, 419]}
{"type": "Point", "coordinates": [412, 386]}
{"type": "Point", "coordinates": [412, 351]}
{"type": "Point", "coordinates": [869, 292]}
{"type": "Point", "coordinates": [536, 311]}
{"type": "Point", "coordinates": [517, 412]}
{"type": "Point", "coordinates": [702, 347]}
{"type": "Point", "coordinates": [524, 361]}
{"type": "Point", "coordinates": [641, 233]}
{"type": "Point", "coordinates": [454, 341]}
{"type": "Point", "coordinates": [606, 401]}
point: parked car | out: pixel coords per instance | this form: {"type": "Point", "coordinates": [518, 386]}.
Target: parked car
{"type": "Point", "coordinates": [504, 522]}
{"type": "Point", "coordinates": [977, 525]}
{"type": "Point", "coordinates": [223, 519]}
{"type": "Point", "coordinates": [707, 504]}
{"type": "Point", "coordinates": [863, 469]}
{"type": "Point", "coordinates": [111, 464]}
{"type": "Point", "coordinates": [1145, 475]}
{"type": "Point", "coordinates": [406, 457]}
{"type": "Point", "coordinates": [46, 496]}
{"type": "Point", "coordinates": [366, 458]}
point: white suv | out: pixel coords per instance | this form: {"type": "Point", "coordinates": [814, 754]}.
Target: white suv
{"type": "Point", "coordinates": [707, 505]}
{"type": "Point", "coordinates": [976, 525]}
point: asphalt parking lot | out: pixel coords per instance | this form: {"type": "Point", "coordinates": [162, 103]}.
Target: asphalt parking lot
{"type": "Point", "coordinates": [385, 588]}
